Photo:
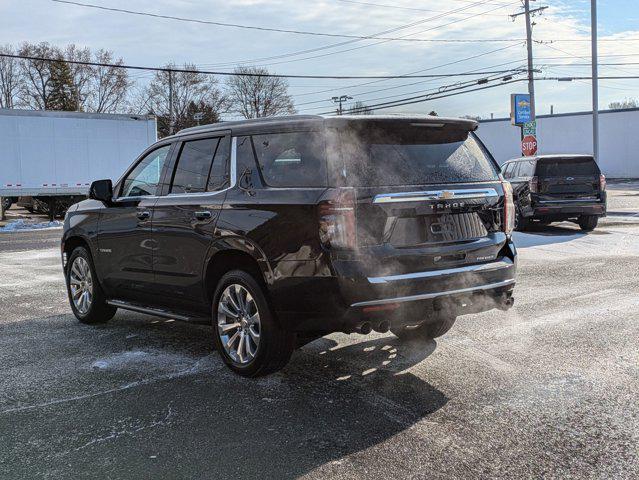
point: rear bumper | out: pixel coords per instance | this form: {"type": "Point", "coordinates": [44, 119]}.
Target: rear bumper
{"type": "Point", "coordinates": [350, 302]}
{"type": "Point", "coordinates": [462, 278]}
{"type": "Point", "coordinates": [567, 208]}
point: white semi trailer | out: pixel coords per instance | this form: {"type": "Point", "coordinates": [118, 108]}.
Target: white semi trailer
{"type": "Point", "coordinates": [50, 158]}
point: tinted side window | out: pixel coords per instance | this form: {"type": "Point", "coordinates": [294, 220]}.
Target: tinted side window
{"type": "Point", "coordinates": [295, 159]}
{"type": "Point", "coordinates": [193, 166]}
{"type": "Point", "coordinates": [247, 174]}
{"type": "Point", "coordinates": [145, 177]}
{"type": "Point", "coordinates": [507, 170]}
{"type": "Point", "coordinates": [527, 168]}
{"type": "Point", "coordinates": [219, 178]}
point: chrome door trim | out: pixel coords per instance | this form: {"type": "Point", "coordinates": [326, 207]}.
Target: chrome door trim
{"type": "Point", "coordinates": [436, 195]}
{"type": "Point", "coordinates": [428, 296]}
{"type": "Point", "coordinates": [504, 263]}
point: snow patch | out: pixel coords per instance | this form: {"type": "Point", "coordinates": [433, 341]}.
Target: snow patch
{"type": "Point", "coordinates": [21, 225]}
{"type": "Point", "coordinates": [119, 360]}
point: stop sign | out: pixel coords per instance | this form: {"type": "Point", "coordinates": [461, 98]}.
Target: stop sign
{"type": "Point", "coordinates": [529, 145]}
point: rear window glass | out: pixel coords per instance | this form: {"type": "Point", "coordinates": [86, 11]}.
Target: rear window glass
{"type": "Point", "coordinates": [294, 159]}
{"type": "Point", "coordinates": [409, 155]}
{"type": "Point", "coordinates": [568, 167]}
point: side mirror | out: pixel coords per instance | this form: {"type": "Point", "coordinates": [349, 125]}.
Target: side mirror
{"type": "Point", "coordinates": [102, 190]}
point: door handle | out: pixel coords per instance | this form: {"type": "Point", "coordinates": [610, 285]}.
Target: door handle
{"type": "Point", "coordinates": [205, 215]}
{"type": "Point", "coordinates": [143, 215]}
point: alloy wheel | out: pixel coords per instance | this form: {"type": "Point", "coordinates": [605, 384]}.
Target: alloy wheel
{"type": "Point", "coordinates": [81, 284]}
{"type": "Point", "coordinates": [238, 323]}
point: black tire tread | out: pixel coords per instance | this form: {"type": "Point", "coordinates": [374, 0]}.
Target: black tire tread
{"type": "Point", "coordinates": [588, 222]}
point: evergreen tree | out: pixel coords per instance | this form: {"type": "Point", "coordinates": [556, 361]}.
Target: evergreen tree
{"type": "Point", "coordinates": [63, 94]}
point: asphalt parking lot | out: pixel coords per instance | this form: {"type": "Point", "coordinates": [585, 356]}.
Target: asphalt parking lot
{"type": "Point", "coordinates": [549, 389]}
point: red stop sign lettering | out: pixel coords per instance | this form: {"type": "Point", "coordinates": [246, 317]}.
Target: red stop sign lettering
{"type": "Point", "coordinates": [529, 145]}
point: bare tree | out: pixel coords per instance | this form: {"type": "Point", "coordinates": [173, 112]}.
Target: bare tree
{"type": "Point", "coordinates": [627, 103]}
{"type": "Point", "coordinates": [193, 92]}
{"type": "Point", "coordinates": [108, 86]}
{"type": "Point", "coordinates": [360, 108]}
{"type": "Point", "coordinates": [80, 74]}
{"type": "Point", "coordinates": [254, 94]}
{"type": "Point", "coordinates": [36, 87]}
{"type": "Point", "coordinates": [10, 78]}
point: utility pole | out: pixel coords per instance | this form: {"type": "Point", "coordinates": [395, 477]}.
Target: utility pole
{"type": "Point", "coordinates": [170, 102]}
{"type": "Point", "coordinates": [531, 74]}
{"type": "Point", "coordinates": [595, 81]}
{"type": "Point", "coordinates": [340, 100]}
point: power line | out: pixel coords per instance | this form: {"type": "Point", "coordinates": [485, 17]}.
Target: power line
{"type": "Point", "coordinates": [588, 64]}
{"type": "Point", "coordinates": [401, 102]}
{"type": "Point", "coordinates": [579, 56]}
{"type": "Point", "coordinates": [411, 9]}
{"type": "Point", "coordinates": [465, 59]}
{"type": "Point", "coordinates": [249, 74]}
{"type": "Point", "coordinates": [253, 27]}
{"type": "Point", "coordinates": [383, 41]}
{"type": "Point", "coordinates": [348, 42]}
{"type": "Point", "coordinates": [471, 82]}
{"type": "Point", "coordinates": [377, 35]}
{"type": "Point", "coordinates": [588, 40]}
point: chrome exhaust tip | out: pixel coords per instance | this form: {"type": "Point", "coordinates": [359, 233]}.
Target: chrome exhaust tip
{"type": "Point", "coordinates": [382, 327]}
{"type": "Point", "coordinates": [505, 303]}
{"type": "Point", "coordinates": [365, 329]}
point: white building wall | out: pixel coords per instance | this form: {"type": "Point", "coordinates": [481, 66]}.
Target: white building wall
{"type": "Point", "coordinates": [572, 133]}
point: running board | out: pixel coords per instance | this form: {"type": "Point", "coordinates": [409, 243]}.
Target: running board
{"type": "Point", "coordinates": [158, 312]}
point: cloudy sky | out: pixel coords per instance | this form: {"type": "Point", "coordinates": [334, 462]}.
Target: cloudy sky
{"type": "Point", "coordinates": [563, 32]}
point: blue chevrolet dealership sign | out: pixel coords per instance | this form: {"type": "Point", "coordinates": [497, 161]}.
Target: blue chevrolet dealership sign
{"type": "Point", "coordinates": [520, 110]}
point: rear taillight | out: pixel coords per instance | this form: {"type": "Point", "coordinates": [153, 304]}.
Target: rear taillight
{"type": "Point", "coordinates": [533, 184]}
{"type": "Point", "coordinates": [602, 182]}
{"type": "Point", "coordinates": [508, 223]}
{"type": "Point", "coordinates": [337, 226]}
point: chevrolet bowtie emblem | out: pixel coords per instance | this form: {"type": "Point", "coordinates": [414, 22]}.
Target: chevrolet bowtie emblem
{"type": "Point", "coordinates": [446, 194]}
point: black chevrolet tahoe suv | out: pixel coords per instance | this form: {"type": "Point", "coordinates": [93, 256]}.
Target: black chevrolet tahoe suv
{"type": "Point", "coordinates": [555, 188]}
{"type": "Point", "coordinates": [278, 231]}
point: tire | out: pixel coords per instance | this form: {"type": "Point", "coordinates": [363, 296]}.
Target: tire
{"type": "Point", "coordinates": [240, 310]}
{"type": "Point", "coordinates": [588, 222]}
{"type": "Point", "coordinates": [521, 223]}
{"type": "Point", "coordinates": [6, 203]}
{"type": "Point", "coordinates": [424, 331]}
{"type": "Point", "coordinates": [80, 276]}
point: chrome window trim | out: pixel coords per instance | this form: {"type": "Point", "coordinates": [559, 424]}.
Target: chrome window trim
{"type": "Point", "coordinates": [428, 296]}
{"type": "Point", "coordinates": [453, 194]}
{"type": "Point", "coordinates": [233, 178]}
{"type": "Point", "coordinates": [504, 263]}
